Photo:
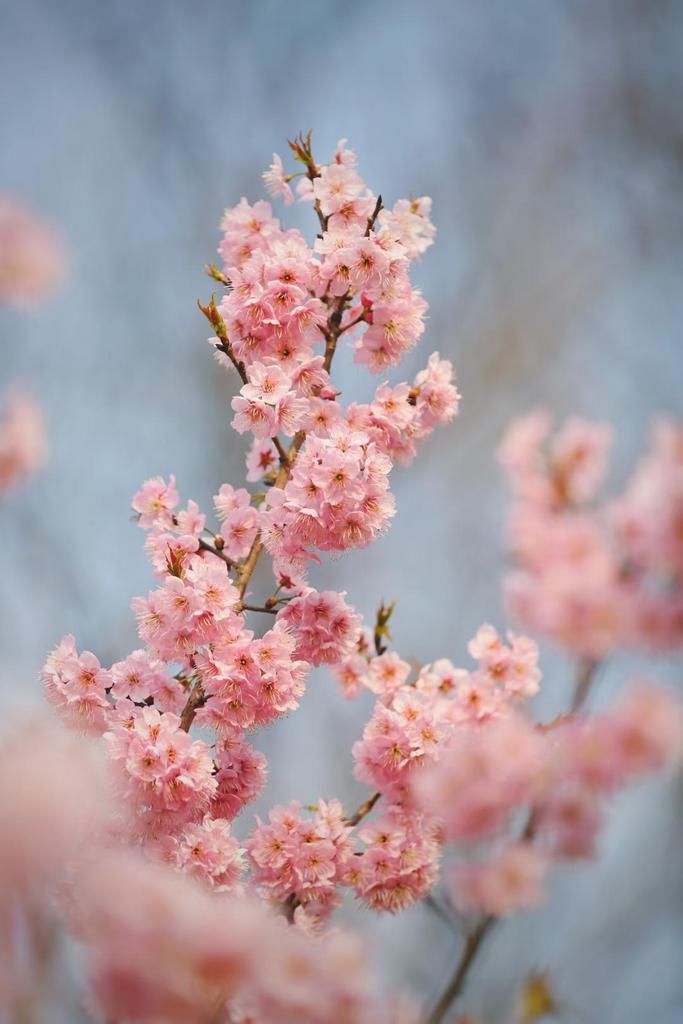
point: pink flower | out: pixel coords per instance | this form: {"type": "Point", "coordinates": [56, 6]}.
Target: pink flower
{"type": "Point", "coordinates": [23, 444]}
{"type": "Point", "coordinates": [141, 676]}
{"type": "Point", "coordinates": [509, 881]}
{"type": "Point", "coordinates": [399, 863]}
{"type": "Point", "coordinates": [386, 673]}
{"type": "Point", "coordinates": [294, 857]}
{"type": "Point", "coordinates": [208, 851]}
{"type": "Point", "coordinates": [240, 776]}
{"type": "Point", "coordinates": [513, 667]}
{"type": "Point", "coordinates": [262, 458]}
{"type": "Point", "coordinates": [248, 229]}
{"type": "Point", "coordinates": [409, 223]}
{"type": "Point", "coordinates": [166, 777]}
{"type": "Point", "coordinates": [647, 729]}
{"type": "Point", "coordinates": [155, 502]}
{"type": "Point", "coordinates": [486, 773]}
{"type": "Point", "coordinates": [53, 800]}
{"type": "Point", "coordinates": [31, 256]}
{"type": "Point", "coordinates": [578, 459]}
{"type": "Point", "coordinates": [266, 384]}
{"type": "Point", "coordinates": [568, 822]}
{"type": "Point", "coordinates": [591, 577]}
{"type": "Point", "coordinates": [405, 730]}
{"type": "Point", "coordinates": [250, 682]}
{"type": "Point", "coordinates": [325, 628]}
{"type": "Point", "coordinates": [337, 187]}
{"type": "Point", "coordinates": [276, 181]}
{"type": "Point", "coordinates": [160, 948]}
{"type": "Point", "coordinates": [76, 685]}
{"type": "Point", "coordinates": [240, 520]}
{"type": "Point", "coordinates": [437, 399]}
{"type": "Point", "coordinates": [255, 416]}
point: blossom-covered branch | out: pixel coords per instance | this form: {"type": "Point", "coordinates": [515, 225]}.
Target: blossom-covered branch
{"type": "Point", "coordinates": [457, 769]}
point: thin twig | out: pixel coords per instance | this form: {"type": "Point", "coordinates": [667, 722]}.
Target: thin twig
{"type": "Point", "coordinates": [433, 904]}
{"type": "Point", "coordinates": [587, 669]}
{"type": "Point", "coordinates": [473, 944]}
{"type": "Point", "coordinates": [374, 216]}
{"type": "Point", "coordinates": [205, 546]}
{"type": "Point", "coordinates": [347, 327]}
{"type": "Point", "coordinates": [363, 810]}
{"type": "Point", "coordinates": [211, 313]}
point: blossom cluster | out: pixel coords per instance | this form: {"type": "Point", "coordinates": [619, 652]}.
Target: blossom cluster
{"type": "Point", "coordinates": [594, 575]}
{"type": "Point", "coordinates": [285, 299]}
{"type": "Point", "coordinates": [159, 948]}
{"type": "Point", "coordinates": [200, 661]}
{"type": "Point", "coordinates": [456, 749]}
{"type": "Point", "coordinates": [412, 720]}
{"type": "Point", "coordinates": [399, 862]}
{"type": "Point", "coordinates": [537, 794]}
{"type": "Point", "coordinates": [302, 859]}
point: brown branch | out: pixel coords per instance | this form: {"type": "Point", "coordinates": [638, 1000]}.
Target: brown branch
{"type": "Point", "coordinates": [374, 216]}
{"type": "Point", "coordinates": [334, 329]}
{"type": "Point", "coordinates": [359, 320]}
{"type": "Point", "coordinates": [194, 701]}
{"type": "Point", "coordinates": [211, 313]}
{"type": "Point", "coordinates": [280, 450]}
{"type": "Point", "coordinates": [205, 546]}
{"type": "Point", "coordinates": [363, 810]}
{"type": "Point", "coordinates": [257, 608]}
{"type": "Point", "coordinates": [473, 944]}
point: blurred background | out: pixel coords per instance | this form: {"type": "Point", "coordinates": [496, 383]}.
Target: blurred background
{"type": "Point", "coordinates": [550, 137]}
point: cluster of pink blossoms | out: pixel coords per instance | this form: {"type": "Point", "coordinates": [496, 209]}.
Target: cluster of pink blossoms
{"type": "Point", "coordinates": [399, 862]}
{"type": "Point", "coordinates": [284, 300]}
{"type": "Point", "coordinates": [161, 949]}
{"type": "Point", "coordinates": [411, 721]}
{"type": "Point", "coordinates": [594, 577]}
{"type": "Point", "coordinates": [309, 862]}
{"type": "Point", "coordinates": [453, 748]}
{"type": "Point", "coordinates": [337, 496]}
{"type": "Point", "coordinates": [535, 795]}
{"type": "Point", "coordinates": [326, 629]}
{"type": "Point", "coordinates": [200, 662]}
{"type": "Point", "coordinates": [306, 860]}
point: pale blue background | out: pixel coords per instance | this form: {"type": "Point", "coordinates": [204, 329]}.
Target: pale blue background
{"type": "Point", "coordinates": [549, 135]}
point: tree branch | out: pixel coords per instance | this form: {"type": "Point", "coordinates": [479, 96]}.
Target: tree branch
{"type": "Point", "coordinates": [363, 810]}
